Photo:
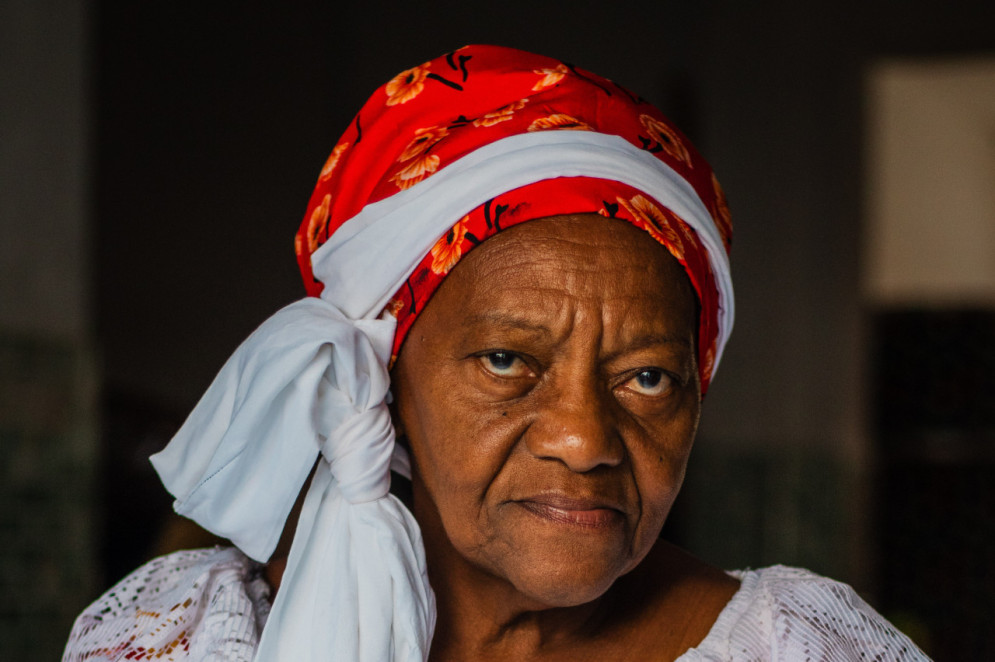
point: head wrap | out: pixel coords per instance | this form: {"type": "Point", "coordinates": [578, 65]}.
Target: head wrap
{"type": "Point", "coordinates": [517, 106]}
{"type": "Point", "coordinates": [442, 157]}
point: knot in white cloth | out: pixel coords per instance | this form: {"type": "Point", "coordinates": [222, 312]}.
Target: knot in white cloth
{"type": "Point", "coordinates": [359, 452]}
{"type": "Point", "coordinates": [307, 379]}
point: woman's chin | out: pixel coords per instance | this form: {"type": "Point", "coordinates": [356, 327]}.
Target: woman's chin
{"type": "Point", "coordinates": [552, 585]}
{"type": "Point", "coordinates": [557, 565]}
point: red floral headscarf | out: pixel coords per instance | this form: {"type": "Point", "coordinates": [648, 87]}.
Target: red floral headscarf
{"type": "Point", "coordinates": [429, 116]}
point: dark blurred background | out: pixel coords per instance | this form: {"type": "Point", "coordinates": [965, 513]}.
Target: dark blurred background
{"type": "Point", "coordinates": [156, 158]}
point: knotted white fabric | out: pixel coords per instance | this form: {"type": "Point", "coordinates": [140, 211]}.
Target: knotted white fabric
{"type": "Point", "coordinates": [312, 381]}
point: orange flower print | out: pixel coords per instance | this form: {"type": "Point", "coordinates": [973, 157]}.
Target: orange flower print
{"type": "Point", "coordinates": [406, 85]}
{"type": "Point", "coordinates": [501, 114]}
{"type": "Point", "coordinates": [560, 121]}
{"type": "Point", "coordinates": [655, 222]}
{"type": "Point", "coordinates": [424, 139]}
{"type": "Point", "coordinates": [550, 76]}
{"type": "Point", "coordinates": [665, 136]}
{"type": "Point", "coordinates": [333, 160]}
{"type": "Point", "coordinates": [316, 224]}
{"type": "Point", "coordinates": [448, 250]}
{"type": "Point", "coordinates": [723, 219]}
{"type": "Point", "coordinates": [706, 370]}
{"type": "Point", "coordinates": [421, 163]}
{"type": "Point", "coordinates": [394, 306]}
{"type": "Point", "coordinates": [417, 170]}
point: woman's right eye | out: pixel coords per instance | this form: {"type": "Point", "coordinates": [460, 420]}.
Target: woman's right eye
{"type": "Point", "coordinates": [505, 364]}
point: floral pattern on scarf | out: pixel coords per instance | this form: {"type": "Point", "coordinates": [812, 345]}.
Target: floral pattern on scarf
{"type": "Point", "coordinates": [433, 114]}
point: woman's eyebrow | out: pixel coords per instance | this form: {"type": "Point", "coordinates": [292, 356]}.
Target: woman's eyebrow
{"type": "Point", "coordinates": [647, 342]}
{"type": "Point", "coordinates": [507, 321]}
{"type": "Point", "coordinates": [495, 318]}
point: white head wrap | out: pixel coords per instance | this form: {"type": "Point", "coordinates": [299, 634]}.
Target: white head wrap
{"type": "Point", "coordinates": [312, 382]}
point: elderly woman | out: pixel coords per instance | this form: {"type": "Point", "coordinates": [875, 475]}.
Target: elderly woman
{"type": "Point", "coordinates": [519, 294]}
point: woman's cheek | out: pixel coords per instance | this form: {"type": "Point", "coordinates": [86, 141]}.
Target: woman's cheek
{"type": "Point", "coordinates": [464, 450]}
{"type": "Point", "coordinates": [660, 474]}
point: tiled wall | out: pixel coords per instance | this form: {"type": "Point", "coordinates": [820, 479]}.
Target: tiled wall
{"type": "Point", "coordinates": [48, 460]}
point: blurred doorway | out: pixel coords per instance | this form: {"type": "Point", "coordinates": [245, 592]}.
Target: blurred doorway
{"type": "Point", "coordinates": [929, 282]}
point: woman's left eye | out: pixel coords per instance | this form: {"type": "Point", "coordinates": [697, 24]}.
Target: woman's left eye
{"type": "Point", "coordinates": [650, 382]}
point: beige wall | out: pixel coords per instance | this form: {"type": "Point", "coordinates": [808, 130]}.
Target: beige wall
{"type": "Point", "coordinates": [930, 237]}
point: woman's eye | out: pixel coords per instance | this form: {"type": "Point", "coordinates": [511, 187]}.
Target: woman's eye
{"type": "Point", "coordinates": [505, 364]}
{"type": "Point", "coordinates": [650, 382]}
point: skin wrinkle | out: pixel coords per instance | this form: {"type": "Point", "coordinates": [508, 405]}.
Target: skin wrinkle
{"type": "Point", "coordinates": [586, 305]}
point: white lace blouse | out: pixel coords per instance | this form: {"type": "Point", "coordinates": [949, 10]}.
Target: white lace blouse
{"type": "Point", "coordinates": [211, 605]}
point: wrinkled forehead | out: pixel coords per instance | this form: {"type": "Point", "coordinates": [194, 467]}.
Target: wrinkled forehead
{"type": "Point", "coordinates": [603, 257]}
{"type": "Point", "coordinates": [553, 277]}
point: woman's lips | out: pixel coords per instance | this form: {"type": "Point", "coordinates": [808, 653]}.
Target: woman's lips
{"type": "Point", "coordinates": [587, 513]}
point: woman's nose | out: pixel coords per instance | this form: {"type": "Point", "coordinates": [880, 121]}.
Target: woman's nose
{"type": "Point", "coordinates": [576, 427]}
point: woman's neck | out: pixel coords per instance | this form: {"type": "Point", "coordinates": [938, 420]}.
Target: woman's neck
{"type": "Point", "coordinates": [661, 609]}
{"type": "Point", "coordinates": [483, 617]}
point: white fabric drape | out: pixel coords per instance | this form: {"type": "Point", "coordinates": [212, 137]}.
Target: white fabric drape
{"type": "Point", "coordinates": [310, 381]}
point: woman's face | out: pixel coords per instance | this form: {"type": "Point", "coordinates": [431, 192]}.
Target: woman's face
{"type": "Point", "coordinates": [549, 392]}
